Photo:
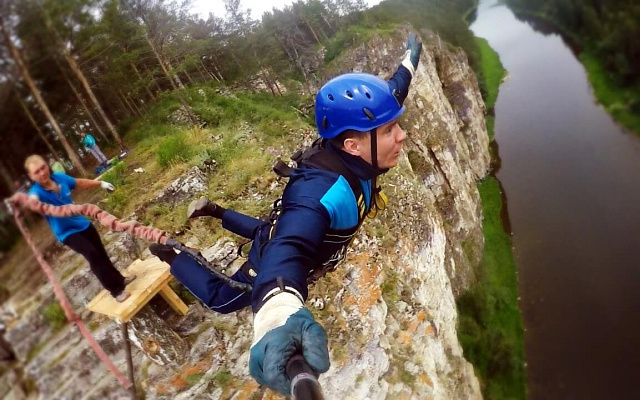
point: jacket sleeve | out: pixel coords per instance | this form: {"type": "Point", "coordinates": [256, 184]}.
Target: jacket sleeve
{"type": "Point", "coordinates": [399, 83]}
{"type": "Point", "coordinates": [291, 252]}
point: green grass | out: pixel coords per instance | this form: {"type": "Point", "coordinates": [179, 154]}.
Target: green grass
{"type": "Point", "coordinates": [222, 378]}
{"type": "Point", "coordinates": [490, 327]}
{"type": "Point", "coordinates": [241, 133]}
{"type": "Point", "coordinates": [193, 379]}
{"type": "Point", "coordinates": [34, 351]}
{"type": "Point", "coordinates": [622, 103]}
{"type": "Point", "coordinates": [253, 108]}
{"type": "Point", "coordinates": [172, 149]}
{"type": "Point", "coordinates": [353, 35]}
{"type": "Point", "coordinates": [54, 314]}
{"type": "Point", "coordinates": [117, 174]}
{"type": "Point", "coordinates": [492, 72]}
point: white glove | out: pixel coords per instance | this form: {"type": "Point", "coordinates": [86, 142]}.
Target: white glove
{"type": "Point", "coordinates": [107, 186]}
{"type": "Point", "coordinates": [275, 313]}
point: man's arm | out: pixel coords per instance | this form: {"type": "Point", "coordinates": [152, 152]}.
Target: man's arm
{"type": "Point", "coordinates": [282, 325]}
{"type": "Point", "coordinates": [401, 79]}
{"type": "Point", "coordinates": [85, 184]}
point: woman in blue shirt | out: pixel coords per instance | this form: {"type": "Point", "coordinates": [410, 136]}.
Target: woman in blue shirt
{"type": "Point", "coordinates": [77, 232]}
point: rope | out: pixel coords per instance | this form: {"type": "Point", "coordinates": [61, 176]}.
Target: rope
{"type": "Point", "coordinates": [93, 211]}
{"type": "Point", "coordinates": [111, 222]}
{"type": "Point", "coordinates": [64, 301]}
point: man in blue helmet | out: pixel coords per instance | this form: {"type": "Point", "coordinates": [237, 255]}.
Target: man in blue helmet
{"type": "Point", "coordinates": [332, 190]}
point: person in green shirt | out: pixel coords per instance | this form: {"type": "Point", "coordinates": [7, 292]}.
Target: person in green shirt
{"type": "Point", "coordinates": [56, 166]}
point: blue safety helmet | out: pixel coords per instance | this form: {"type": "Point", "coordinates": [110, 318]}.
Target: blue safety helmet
{"type": "Point", "coordinates": [355, 101]}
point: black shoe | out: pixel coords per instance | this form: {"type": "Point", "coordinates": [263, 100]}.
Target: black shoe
{"type": "Point", "coordinates": [202, 208]}
{"type": "Point", "coordinates": [163, 252]}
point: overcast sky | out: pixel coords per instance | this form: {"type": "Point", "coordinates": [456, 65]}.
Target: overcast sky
{"type": "Point", "coordinates": [203, 7]}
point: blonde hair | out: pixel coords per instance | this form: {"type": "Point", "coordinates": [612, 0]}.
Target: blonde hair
{"type": "Point", "coordinates": [31, 159]}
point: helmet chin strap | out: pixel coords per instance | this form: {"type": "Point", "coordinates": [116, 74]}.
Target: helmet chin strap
{"type": "Point", "coordinates": [374, 147]}
{"type": "Point", "coordinates": [374, 163]}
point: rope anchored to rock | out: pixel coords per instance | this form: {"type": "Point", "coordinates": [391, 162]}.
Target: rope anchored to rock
{"type": "Point", "coordinates": [111, 222]}
{"type": "Point", "coordinates": [304, 383]}
{"type": "Point", "coordinates": [19, 200]}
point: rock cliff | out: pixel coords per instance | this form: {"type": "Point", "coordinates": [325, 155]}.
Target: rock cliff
{"type": "Point", "coordinates": [389, 309]}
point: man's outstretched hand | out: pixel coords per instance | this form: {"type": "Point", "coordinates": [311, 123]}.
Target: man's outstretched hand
{"type": "Point", "coordinates": [283, 328]}
{"type": "Point", "coordinates": [412, 56]}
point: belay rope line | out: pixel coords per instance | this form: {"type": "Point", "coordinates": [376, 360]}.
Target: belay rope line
{"type": "Point", "coordinates": [111, 222]}
{"type": "Point", "coordinates": [62, 298]}
{"type": "Point", "coordinates": [303, 380]}
{"type": "Point", "coordinates": [19, 200]}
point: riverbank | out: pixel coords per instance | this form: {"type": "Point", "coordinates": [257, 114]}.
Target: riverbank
{"type": "Point", "coordinates": [492, 75]}
{"type": "Point", "coordinates": [618, 101]}
{"type": "Point", "coordinates": [622, 103]}
{"type": "Point", "coordinates": [490, 327]}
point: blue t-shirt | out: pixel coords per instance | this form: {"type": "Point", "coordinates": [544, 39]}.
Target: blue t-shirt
{"type": "Point", "coordinates": [89, 141]}
{"type": "Point", "coordinates": [62, 227]}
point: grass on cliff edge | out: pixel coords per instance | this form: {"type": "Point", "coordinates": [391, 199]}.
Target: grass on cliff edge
{"type": "Point", "coordinates": [490, 77]}
{"type": "Point", "coordinates": [490, 326]}
{"type": "Point", "coordinates": [492, 72]}
{"type": "Point", "coordinates": [242, 134]}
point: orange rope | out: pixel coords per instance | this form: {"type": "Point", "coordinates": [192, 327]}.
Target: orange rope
{"type": "Point", "coordinates": [93, 211]}
{"type": "Point", "coordinates": [62, 298]}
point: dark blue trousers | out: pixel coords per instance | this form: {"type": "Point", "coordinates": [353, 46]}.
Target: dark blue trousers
{"type": "Point", "coordinates": [211, 291]}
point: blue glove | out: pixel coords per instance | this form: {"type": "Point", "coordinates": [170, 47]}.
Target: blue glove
{"type": "Point", "coordinates": [412, 56]}
{"type": "Point", "coordinates": [282, 328]}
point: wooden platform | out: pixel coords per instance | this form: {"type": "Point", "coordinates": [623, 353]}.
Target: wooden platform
{"type": "Point", "coordinates": [153, 277]}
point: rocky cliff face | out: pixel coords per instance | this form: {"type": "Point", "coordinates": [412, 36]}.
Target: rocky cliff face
{"type": "Point", "coordinates": [389, 309]}
{"type": "Point", "coordinates": [407, 267]}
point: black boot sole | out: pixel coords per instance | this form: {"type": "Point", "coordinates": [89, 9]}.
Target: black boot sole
{"type": "Point", "coordinates": [195, 208]}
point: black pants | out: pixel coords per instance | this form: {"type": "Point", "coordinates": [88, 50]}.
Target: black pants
{"type": "Point", "coordinates": [89, 244]}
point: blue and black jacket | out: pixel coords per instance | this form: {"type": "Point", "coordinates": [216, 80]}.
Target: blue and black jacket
{"type": "Point", "coordinates": [319, 213]}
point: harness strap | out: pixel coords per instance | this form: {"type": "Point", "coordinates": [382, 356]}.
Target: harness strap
{"type": "Point", "coordinates": [322, 158]}
{"type": "Point", "coordinates": [282, 169]}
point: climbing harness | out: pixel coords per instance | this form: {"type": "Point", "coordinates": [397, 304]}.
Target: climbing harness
{"type": "Point", "coordinates": [318, 156]}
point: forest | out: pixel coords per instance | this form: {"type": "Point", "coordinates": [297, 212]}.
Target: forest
{"type": "Point", "coordinates": [100, 66]}
{"type": "Point", "coordinates": [68, 66]}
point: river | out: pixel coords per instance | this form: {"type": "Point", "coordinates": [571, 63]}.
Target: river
{"type": "Point", "coordinates": [571, 178]}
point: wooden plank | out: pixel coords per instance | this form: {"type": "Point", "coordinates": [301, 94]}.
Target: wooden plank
{"type": "Point", "coordinates": [174, 301]}
{"type": "Point", "coordinates": [152, 275]}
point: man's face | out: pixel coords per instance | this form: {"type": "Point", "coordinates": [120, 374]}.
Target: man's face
{"type": "Point", "coordinates": [390, 137]}
{"type": "Point", "coordinates": [38, 171]}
